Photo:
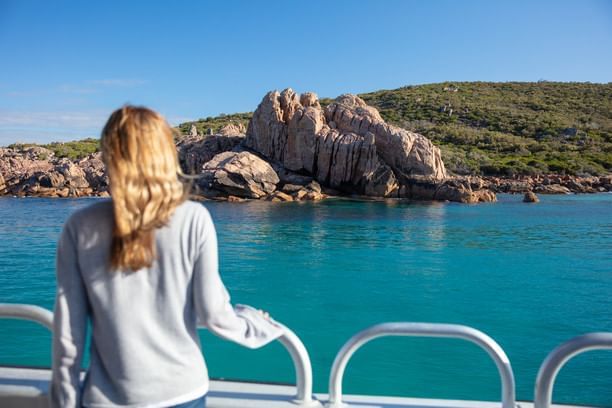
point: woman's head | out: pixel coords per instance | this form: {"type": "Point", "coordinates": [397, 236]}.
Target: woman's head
{"type": "Point", "coordinates": [143, 168]}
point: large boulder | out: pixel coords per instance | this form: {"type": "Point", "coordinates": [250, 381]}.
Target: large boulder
{"type": "Point", "coordinates": [95, 172]}
{"type": "Point", "coordinates": [267, 130]}
{"type": "Point", "coordinates": [241, 174]}
{"type": "Point", "coordinates": [52, 179]}
{"type": "Point", "coordinates": [193, 130]}
{"type": "Point", "coordinates": [409, 154]}
{"type": "Point", "coordinates": [232, 129]}
{"type": "Point", "coordinates": [193, 153]}
{"type": "Point", "coordinates": [38, 153]}
{"type": "Point", "coordinates": [530, 197]}
{"type": "Point", "coordinates": [606, 182]}
{"type": "Point", "coordinates": [21, 171]}
{"type": "Point", "coordinates": [73, 174]}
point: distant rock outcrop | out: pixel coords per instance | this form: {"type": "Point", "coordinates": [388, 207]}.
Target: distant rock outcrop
{"type": "Point", "coordinates": [36, 172]}
{"type": "Point", "coordinates": [549, 184]}
{"type": "Point", "coordinates": [346, 146]}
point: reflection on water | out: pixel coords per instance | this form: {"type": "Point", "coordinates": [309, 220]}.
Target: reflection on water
{"type": "Point", "coordinates": [531, 276]}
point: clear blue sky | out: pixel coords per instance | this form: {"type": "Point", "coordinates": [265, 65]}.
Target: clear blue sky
{"type": "Point", "coordinates": [65, 65]}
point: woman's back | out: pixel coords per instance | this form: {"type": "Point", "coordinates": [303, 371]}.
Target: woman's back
{"type": "Point", "coordinates": [144, 342]}
{"type": "Point", "coordinates": [143, 268]}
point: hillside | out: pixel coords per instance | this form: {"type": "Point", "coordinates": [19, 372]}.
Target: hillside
{"type": "Point", "coordinates": [73, 150]}
{"type": "Point", "coordinates": [506, 129]}
{"type": "Point", "coordinates": [509, 128]}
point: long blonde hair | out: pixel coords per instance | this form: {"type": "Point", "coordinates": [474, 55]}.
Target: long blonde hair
{"type": "Point", "coordinates": [143, 168]}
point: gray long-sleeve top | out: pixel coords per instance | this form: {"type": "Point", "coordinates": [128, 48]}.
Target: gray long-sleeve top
{"type": "Point", "coordinates": [145, 351]}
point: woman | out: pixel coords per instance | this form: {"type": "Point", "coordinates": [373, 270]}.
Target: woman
{"type": "Point", "coordinates": [142, 268]}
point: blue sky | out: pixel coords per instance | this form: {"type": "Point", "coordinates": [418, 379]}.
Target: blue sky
{"type": "Point", "coordinates": [65, 65]}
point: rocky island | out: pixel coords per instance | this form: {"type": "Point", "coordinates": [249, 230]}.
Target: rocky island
{"type": "Point", "coordinates": [293, 148]}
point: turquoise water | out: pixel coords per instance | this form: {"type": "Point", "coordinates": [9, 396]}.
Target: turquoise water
{"type": "Point", "coordinates": [531, 276]}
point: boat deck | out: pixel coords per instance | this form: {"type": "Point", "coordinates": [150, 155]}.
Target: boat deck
{"type": "Point", "coordinates": [27, 387]}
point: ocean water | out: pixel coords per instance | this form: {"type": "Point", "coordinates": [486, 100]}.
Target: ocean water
{"type": "Point", "coordinates": [531, 276]}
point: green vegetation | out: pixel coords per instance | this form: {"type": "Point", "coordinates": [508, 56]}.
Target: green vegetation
{"type": "Point", "coordinates": [485, 128]}
{"type": "Point", "coordinates": [73, 150]}
{"type": "Point", "coordinates": [508, 128]}
{"type": "Point", "coordinates": [216, 123]}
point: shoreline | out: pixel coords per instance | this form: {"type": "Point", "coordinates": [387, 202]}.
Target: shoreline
{"type": "Point", "coordinates": [295, 149]}
{"type": "Point", "coordinates": [354, 198]}
{"type": "Point", "coordinates": [30, 173]}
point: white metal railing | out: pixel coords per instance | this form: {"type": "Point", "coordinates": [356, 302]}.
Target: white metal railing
{"type": "Point", "coordinates": [33, 313]}
{"type": "Point", "coordinates": [291, 342]}
{"type": "Point", "coordinates": [557, 359]}
{"type": "Point", "coordinates": [303, 368]}
{"type": "Point", "coordinates": [422, 330]}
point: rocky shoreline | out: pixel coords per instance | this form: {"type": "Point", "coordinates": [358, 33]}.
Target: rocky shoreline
{"type": "Point", "coordinates": [549, 184]}
{"type": "Point", "coordinates": [294, 150]}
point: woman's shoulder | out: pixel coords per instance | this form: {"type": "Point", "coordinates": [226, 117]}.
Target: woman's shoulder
{"type": "Point", "coordinates": [92, 218]}
{"type": "Point", "coordinates": [194, 207]}
{"type": "Point", "coordinates": [98, 210]}
{"type": "Point", "coordinates": [194, 214]}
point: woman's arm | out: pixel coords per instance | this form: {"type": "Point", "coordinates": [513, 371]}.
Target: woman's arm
{"type": "Point", "coordinates": [242, 325]}
{"type": "Point", "coordinates": [69, 324]}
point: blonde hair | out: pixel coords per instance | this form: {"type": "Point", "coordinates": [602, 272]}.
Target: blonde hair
{"type": "Point", "coordinates": [143, 169]}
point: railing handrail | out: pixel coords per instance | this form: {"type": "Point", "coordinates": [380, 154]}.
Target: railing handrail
{"type": "Point", "coordinates": [557, 359]}
{"type": "Point", "coordinates": [33, 313]}
{"type": "Point", "coordinates": [291, 342]}
{"type": "Point", "coordinates": [422, 330]}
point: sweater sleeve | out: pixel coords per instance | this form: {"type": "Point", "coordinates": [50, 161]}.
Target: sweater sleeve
{"type": "Point", "coordinates": [69, 325]}
{"type": "Point", "coordinates": [242, 325]}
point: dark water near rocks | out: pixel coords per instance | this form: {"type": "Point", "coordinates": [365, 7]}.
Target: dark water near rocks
{"type": "Point", "coordinates": [530, 276]}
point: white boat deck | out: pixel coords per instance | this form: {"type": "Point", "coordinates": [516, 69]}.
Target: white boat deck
{"type": "Point", "coordinates": [26, 387]}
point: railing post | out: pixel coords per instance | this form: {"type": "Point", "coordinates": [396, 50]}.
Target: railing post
{"type": "Point", "coordinates": [303, 368]}
{"type": "Point", "coordinates": [422, 330]}
{"type": "Point", "coordinates": [557, 359]}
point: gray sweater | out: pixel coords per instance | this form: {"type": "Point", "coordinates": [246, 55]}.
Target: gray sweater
{"type": "Point", "coordinates": [145, 350]}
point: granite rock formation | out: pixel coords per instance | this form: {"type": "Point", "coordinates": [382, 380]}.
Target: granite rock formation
{"type": "Point", "coordinates": [241, 174]}
{"type": "Point", "coordinates": [95, 172]}
{"type": "Point", "coordinates": [193, 130]}
{"type": "Point", "coordinates": [36, 171]}
{"type": "Point", "coordinates": [348, 146]}
{"type": "Point", "coordinates": [194, 152]}
{"type": "Point", "coordinates": [232, 129]}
